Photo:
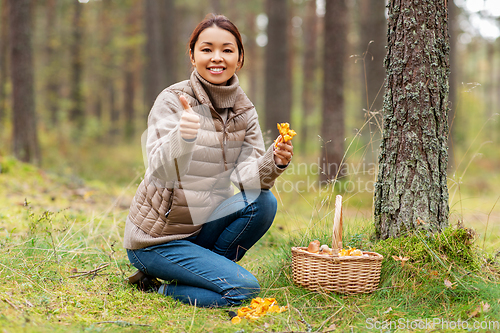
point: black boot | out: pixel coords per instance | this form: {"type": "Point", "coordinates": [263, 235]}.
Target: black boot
{"type": "Point", "coordinates": [144, 282]}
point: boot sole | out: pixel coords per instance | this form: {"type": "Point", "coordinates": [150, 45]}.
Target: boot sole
{"type": "Point", "coordinates": [136, 277]}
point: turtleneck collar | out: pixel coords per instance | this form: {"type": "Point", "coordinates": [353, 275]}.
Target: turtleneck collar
{"type": "Point", "coordinates": [223, 96]}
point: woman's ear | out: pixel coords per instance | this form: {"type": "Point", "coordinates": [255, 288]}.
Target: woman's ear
{"type": "Point", "coordinates": [191, 56]}
{"type": "Point", "coordinates": [238, 65]}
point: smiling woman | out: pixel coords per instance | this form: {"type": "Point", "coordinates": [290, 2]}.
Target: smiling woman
{"type": "Point", "coordinates": [185, 224]}
{"type": "Point", "coordinates": [216, 55]}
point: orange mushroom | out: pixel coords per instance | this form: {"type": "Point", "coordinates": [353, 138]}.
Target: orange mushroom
{"type": "Point", "coordinates": [286, 134]}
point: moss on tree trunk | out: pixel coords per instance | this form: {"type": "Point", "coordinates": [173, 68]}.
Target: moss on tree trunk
{"type": "Point", "coordinates": [411, 191]}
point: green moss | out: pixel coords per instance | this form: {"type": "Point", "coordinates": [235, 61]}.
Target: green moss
{"type": "Point", "coordinates": [453, 246]}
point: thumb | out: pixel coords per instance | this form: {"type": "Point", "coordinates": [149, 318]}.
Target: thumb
{"type": "Point", "coordinates": [184, 103]}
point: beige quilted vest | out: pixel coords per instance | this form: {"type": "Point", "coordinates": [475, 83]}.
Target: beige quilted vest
{"type": "Point", "coordinates": [186, 181]}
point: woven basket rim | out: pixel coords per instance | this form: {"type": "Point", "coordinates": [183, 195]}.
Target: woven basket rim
{"type": "Point", "coordinates": [372, 255]}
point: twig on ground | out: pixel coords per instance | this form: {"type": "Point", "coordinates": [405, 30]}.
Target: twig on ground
{"type": "Point", "coordinates": [27, 278]}
{"type": "Point", "coordinates": [327, 319]}
{"type": "Point", "coordinates": [10, 303]}
{"type": "Point", "coordinates": [308, 326]}
{"type": "Point", "coordinates": [95, 270]}
{"type": "Point", "coordinates": [120, 323]}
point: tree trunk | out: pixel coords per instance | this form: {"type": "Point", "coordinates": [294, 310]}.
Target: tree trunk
{"type": "Point", "coordinates": [169, 28]}
{"type": "Point", "coordinates": [114, 111]}
{"type": "Point", "coordinates": [25, 139]}
{"type": "Point", "coordinates": [309, 70]}
{"type": "Point", "coordinates": [411, 191]}
{"type": "Point", "coordinates": [215, 6]}
{"type": "Point", "coordinates": [373, 29]}
{"type": "Point", "coordinates": [4, 50]}
{"type": "Point", "coordinates": [110, 68]}
{"type": "Point", "coordinates": [454, 74]}
{"type": "Point", "coordinates": [130, 68]}
{"type": "Point", "coordinates": [154, 47]}
{"type": "Point", "coordinates": [251, 59]}
{"type": "Point", "coordinates": [332, 126]}
{"type": "Point", "coordinates": [277, 80]}
{"type": "Point", "coordinates": [53, 79]}
{"type": "Point", "coordinates": [490, 92]}
{"type": "Point", "coordinates": [129, 104]}
{"type": "Point", "coordinates": [372, 45]}
{"type": "Point", "coordinates": [77, 114]}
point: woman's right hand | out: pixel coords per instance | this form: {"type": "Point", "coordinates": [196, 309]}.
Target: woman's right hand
{"type": "Point", "coordinates": [190, 121]}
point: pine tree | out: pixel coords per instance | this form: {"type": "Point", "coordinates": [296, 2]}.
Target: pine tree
{"type": "Point", "coordinates": [411, 191]}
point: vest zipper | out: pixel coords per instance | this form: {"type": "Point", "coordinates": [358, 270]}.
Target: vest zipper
{"type": "Point", "coordinates": [224, 139]}
{"type": "Point", "coordinates": [170, 200]}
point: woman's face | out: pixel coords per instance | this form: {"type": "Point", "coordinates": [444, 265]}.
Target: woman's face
{"type": "Point", "coordinates": [215, 55]}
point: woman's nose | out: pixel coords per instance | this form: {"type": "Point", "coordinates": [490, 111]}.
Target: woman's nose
{"type": "Point", "coordinates": [217, 57]}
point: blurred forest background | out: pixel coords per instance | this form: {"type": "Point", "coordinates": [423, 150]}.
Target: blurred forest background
{"type": "Point", "coordinates": [97, 65]}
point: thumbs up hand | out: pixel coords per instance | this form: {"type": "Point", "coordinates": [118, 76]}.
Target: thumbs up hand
{"type": "Point", "coordinates": [190, 121]}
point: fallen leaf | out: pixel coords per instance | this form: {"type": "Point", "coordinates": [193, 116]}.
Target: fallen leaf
{"type": "Point", "coordinates": [474, 314]}
{"type": "Point", "coordinates": [419, 221]}
{"type": "Point", "coordinates": [402, 259]}
{"type": "Point", "coordinates": [330, 328]}
{"type": "Point", "coordinates": [485, 307]}
{"type": "Point", "coordinates": [449, 284]}
{"type": "Point", "coordinates": [434, 273]}
{"type": "Point", "coordinates": [388, 310]}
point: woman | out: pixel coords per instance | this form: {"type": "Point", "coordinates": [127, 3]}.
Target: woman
{"type": "Point", "coordinates": [185, 226]}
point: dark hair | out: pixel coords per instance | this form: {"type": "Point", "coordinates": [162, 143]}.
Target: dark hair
{"type": "Point", "coordinates": [222, 22]}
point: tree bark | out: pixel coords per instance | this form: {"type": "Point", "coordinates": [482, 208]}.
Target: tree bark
{"type": "Point", "coordinates": [277, 81]}
{"type": "Point", "coordinates": [309, 70]}
{"type": "Point", "coordinates": [453, 79]}
{"type": "Point", "coordinates": [25, 139]}
{"type": "Point", "coordinates": [215, 6]}
{"type": "Point", "coordinates": [169, 26]}
{"type": "Point", "coordinates": [4, 50]}
{"type": "Point", "coordinates": [251, 59]}
{"type": "Point", "coordinates": [130, 68]}
{"type": "Point", "coordinates": [154, 47]}
{"type": "Point", "coordinates": [332, 126]}
{"type": "Point", "coordinates": [53, 79]}
{"type": "Point", "coordinates": [110, 67]}
{"type": "Point", "coordinates": [114, 110]}
{"type": "Point", "coordinates": [411, 191]}
{"type": "Point", "coordinates": [372, 46]}
{"type": "Point", "coordinates": [77, 114]}
{"type": "Point", "coordinates": [373, 29]}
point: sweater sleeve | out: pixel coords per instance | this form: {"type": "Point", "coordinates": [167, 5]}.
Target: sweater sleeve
{"type": "Point", "coordinates": [168, 154]}
{"type": "Point", "coordinates": [255, 166]}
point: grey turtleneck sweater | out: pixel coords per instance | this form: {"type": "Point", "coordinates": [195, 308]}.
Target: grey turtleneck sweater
{"type": "Point", "coordinates": [221, 96]}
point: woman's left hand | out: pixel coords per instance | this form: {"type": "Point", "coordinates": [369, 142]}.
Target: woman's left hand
{"type": "Point", "coordinates": [283, 153]}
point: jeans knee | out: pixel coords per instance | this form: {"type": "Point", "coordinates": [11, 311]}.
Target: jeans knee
{"type": "Point", "coordinates": [269, 201]}
{"type": "Point", "coordinates": [246, 290]}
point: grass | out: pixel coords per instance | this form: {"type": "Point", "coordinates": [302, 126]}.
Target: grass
{"type": "Point", "coordinates": [63, 267]}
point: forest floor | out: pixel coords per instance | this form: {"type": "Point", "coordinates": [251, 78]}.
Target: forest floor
{"type": "Point", "coordinates": [63, 267]}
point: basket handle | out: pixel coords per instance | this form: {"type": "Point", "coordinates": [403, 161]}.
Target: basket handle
{"type": "Point", "coordinates": [337, 226]}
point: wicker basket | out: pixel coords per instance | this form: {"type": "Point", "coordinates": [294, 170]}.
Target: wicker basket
{"type": "Point", "coordinates": [327, 273]}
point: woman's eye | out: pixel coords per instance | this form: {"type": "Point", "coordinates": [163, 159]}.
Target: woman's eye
{"type": "Point", "coordinates": [228, 51]}
{"type": "Point", "coordinates": [205, 50]}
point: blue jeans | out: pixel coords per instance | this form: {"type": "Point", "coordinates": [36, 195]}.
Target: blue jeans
{"type": "Point", "coordinates": [202, 270]}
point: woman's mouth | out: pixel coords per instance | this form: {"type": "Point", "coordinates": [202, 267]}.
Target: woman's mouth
{"type": "Point", "coordinates": [216, 70]}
